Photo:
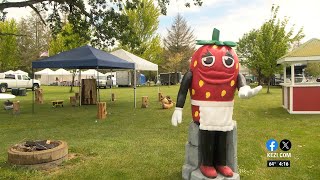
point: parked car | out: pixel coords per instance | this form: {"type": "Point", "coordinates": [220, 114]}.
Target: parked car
{"type": "Point", "coordinates": [101, 83]}
{"type": "Point", "coordinates": [276, 81]}
{"type": "Point", "coordinates": [318, 79]}
{"type": "Point", "coordinates": [249, 79]}
{"type": "Point", "coordinates": [9, 81]}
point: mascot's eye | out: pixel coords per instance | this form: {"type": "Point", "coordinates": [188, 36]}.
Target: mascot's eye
{"type": "Point", "coordinates": [208, 61]}
{"type": "Point", "coordinates": [228, 61]}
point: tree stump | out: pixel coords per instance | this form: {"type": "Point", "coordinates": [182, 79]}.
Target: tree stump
{"type": "Point", "coordinates": [102, 110]}
{"type": "Point", "coordinates": [160, 96]}
{"type": "Point", "coordinates": [76, 95]}
{"type": "Point", "coordinates": [39, 96]}
{"type": "Point", "coordinates": [16, 107]}
{"type": "Point", "coordinates": [73, 100]}
{"type": "Point", "coordinates": [113, 97]}
{"type": "Point", "coordinates": [145, 102]}
{"type": "Point", "coordinates": [88, 91]}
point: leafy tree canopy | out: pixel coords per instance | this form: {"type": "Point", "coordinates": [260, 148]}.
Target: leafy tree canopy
{"type": "Point", "coordinates": [68, 39]}
{"type": "Point", "coordinates": [8, 46]}
{"type": "Point", "coordinates": [179, 40]}
{"type": "Point", "coordinates": [35, 40]}
{"type": "Point", "coordinates": [103, 17]}
{"type": "Point", "coordinates": [263, 47]}
{"type": "Point", "coordinates": [313, 69]}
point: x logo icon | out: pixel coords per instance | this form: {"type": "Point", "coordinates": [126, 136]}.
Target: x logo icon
{"type": "Point", "coordinates": [285, 145]}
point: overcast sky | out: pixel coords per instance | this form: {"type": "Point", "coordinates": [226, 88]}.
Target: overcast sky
{"type": "Point", "coordinates": [233, 17]}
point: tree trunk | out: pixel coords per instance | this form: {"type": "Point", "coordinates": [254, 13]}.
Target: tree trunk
{"type": "Point", "coordinates": [72, 82]}
{"type": "Point", "coordinates": [259, 77]}
{"type": "Point", "coordinates": [269, 81]}
{"type": "Point", "coordinates": [175, 76]}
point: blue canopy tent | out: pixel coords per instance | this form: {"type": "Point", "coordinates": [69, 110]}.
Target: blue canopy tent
{"type": "Point", "coordinates": [85, 57]}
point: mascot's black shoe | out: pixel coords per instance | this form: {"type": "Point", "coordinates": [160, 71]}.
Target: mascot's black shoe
{"type": "Point", "coordinates": [208, 171]}
{"type": "Point", "coordinates": [225, 171]}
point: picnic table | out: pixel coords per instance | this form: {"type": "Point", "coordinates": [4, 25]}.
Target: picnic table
{"type": "Point", "coordinates": [56, 103]}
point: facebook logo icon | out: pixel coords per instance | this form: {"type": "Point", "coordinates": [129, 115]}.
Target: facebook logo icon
{"type": "Point", "coordinates": [272, 145]}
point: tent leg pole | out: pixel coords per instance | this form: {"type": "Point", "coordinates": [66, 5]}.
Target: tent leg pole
{"type": "Point", "coordinates": [111, 84]}
{"type": "Point", "coordinates": [80, 85]}
{"type": "Point", "coordinates": [157, 79]}
{"type": "Point", "coordinates": [98, 84]}
{"type": "Point", "coordinates": [135, 87]}
{"type": "Point", "coordinates": [33, 91]}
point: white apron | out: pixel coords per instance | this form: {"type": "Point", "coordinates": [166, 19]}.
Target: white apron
{"type": "Point", "coordinates": [215, 115]}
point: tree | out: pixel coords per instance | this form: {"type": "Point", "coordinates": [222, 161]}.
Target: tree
{"type": "Point", "coordinates": [140, 38]}
{"type": "Point", "coordinates": [104, 16]}
{"type": "Point", "coordinates": [180, 39]}
{"type": "Point", "coordinates": [247, 50]}
{"type": "Point", "coordinates": [272, 42]}
{"type": "Point", "coordinates": [35, 40]}
{"type": "Point", "coordinates": [313, 69]}
{"type": "Point", "coordinates": [173, 62]}
{"type": "Point", "coordinates": [69, 39]}
{"type": "Point", "coordinates": [8, 45]}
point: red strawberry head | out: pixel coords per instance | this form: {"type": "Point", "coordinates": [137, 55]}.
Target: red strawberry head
{"type": "Point", "coordinates": [215, 62]}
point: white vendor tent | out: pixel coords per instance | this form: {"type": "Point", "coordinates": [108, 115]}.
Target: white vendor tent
{"type": "Point", "coordinates": [9, 72]}
{"type": "Point", "coordinates": [46, 76]}
{"type": "Point", "coordinates": [45, 71]}
{"type": "Point", "coordinates": [20, 72]}
{"type": "Point", "coordinates": [91, 73]}
{"type": "Point", "coordinates": [61, 72]}
{"type": "Point", "coordinates": [139, 64]}
{"type": "Point", "coordinates": [62, 75]}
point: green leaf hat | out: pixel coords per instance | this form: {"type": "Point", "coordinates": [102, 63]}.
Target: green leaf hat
{"type": "Point", "coordinates": [215, 40]}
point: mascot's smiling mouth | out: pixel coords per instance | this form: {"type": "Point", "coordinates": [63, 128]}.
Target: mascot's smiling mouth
{"type": "Point", "coordinates": [215, 77]}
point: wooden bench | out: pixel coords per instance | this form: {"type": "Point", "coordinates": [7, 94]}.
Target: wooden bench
{"type": "Point", "coordinates": [56, 103]}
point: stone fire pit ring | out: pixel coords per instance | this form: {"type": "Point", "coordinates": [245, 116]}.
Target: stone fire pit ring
{"type": "Point", "coordinates": [41, 158]}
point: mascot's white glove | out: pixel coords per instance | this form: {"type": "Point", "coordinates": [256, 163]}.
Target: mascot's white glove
{"type": "Point", "coordinates": [246, 92]}
{"type": "Point", "coordinates": [176, 116]}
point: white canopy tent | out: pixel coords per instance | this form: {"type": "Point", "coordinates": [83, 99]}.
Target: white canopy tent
{"type": "Point", "coordinates": [91, 73]}
{"type": "Point", "coordinates": [9, 72]}
{"type": "Point", "coordinates": [45, 71]}
{"type": "Point", "coordinates": [16, 72]}
{"type": "Point", "coordinates": [140, 65]}
{"type": "Point", "coordinates": [61, 72]}
{"type": "Point", "coordinates": [20, 72]}
{"type": "Point", "coordinates": [46, 76]}
{"type": "Point", "coordinates": [62, 75]}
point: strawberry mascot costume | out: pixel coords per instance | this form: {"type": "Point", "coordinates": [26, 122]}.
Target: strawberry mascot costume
{"type": "Point", "coordinates": [212, 81]}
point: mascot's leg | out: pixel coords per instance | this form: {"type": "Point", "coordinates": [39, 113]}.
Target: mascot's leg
{"type": "Point", "coordinates": [207, 151]}
{"type": "Point", "coordinates": [220, 154]}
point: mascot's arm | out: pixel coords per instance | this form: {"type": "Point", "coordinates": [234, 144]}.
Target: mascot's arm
{"type": "Point", "coordinates": [245, 91]}
{"type": "Point", "coordinates": [184, 86]}
{"type": "Point", "coordinates": [241, 81]}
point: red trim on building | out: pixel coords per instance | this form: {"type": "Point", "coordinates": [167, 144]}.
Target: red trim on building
{"type": "Point", "coordinates": [289, 99]}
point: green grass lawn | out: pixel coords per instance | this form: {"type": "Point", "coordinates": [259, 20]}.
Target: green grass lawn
{"type": "Point", "coordinates": [142, 143]}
